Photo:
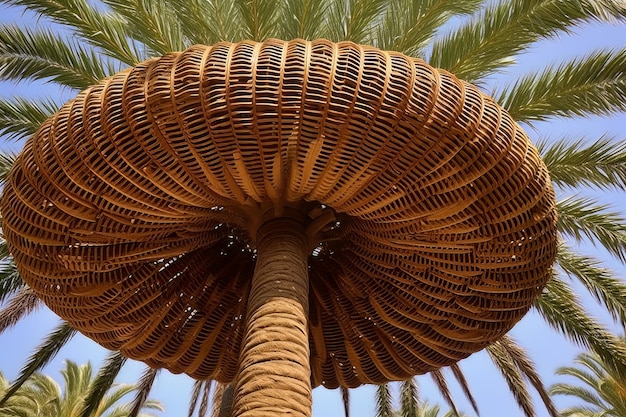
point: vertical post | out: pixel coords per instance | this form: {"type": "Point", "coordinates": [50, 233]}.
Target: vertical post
{"type": "Point", "coordinates": [274, 377]}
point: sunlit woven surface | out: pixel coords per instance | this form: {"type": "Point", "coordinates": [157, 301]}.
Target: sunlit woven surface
{"type": "Point", "coordinates": [124, 212]}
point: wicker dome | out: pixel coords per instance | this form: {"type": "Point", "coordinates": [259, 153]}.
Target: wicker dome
{"type": "Point", "coordinates": [133, 212]}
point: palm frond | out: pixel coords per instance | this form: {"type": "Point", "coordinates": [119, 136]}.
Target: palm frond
{"type": "Point", "coordinates": [144, 386]}
{"type": "Point", "coordinates": [559, 307]}
{"type": "Point", "coordinates": [528, 369]}
{"type": "Point", "coordinates": [208, 22]}
{"type": "Point", "coordinates": [590, 362]}
{"type": "Point", "coordinates": [44, 353]}
{"type": "Point", "coordinates": [6, 163]}
{"type": "Point", "coordinates": [581, 411]}
{"type": "Point", "coordinates": [260, 17]}
{"type": "Point", "coordinates": [113, 397]}
{"type": "Point", "coordinates": [353, 20]}
{"type": "Point", "coordinates": [100, 28]}
{"type": "Point", "coordinates": [44, 55]}
{"type": "Point", "coordinates": [225, 402]}
{"type": "Point", "coordinates": [591, 85]}
{"type": "Point", "coordinates": [153, 23]}
{"type": "Point", "coordinates": [460, 377]}
{"type": "Point", "coordinates": [345, 399]}
{"type": "Point", "coordinates": [581, 217]}
{"type": "Point", "coordinates": [492, 39]}
{"type": "Point", "coordinates": [409, 26]}
{"type": "Point", "coordinates": [102, 383]}
{"type": "Point", "coordinates": [576, 163]}
{"type": "Point", "coordinates": [384, 406]}
{"type": "Point", "coordinates": [21, 304]}
{"type": "Point", "coordinates": [5, 256]}
{"type": "Point", "coordinates": [302, 19]}
{"type": "Point", "coordinates": [442, 386]}
{"type": "Point", "coordinates": [586, 395]}
{"type": "Point", "coordinates": [20, 118]}
{"type": "Point", "coordinates": [428, 410]}
{"type": "Point", "coordinates": [501, 357]}
{"type": "Point", "coordinates": [195, 395]}
{"type": "Point", "coordinates": [10, 280]}
{"type": "Point", "coordinates": [222, 398]}
{"type": "Point", "coordinates": [608, 289]}
{"type": "Point", "coordinates": [409, 398]}
{"type": "Point", "coordinates": [76, 379]}
{"type": "Point", "coordinates": [603, 388]}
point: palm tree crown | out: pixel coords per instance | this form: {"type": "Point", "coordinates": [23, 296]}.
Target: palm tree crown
{"type": "Point", "coordinates": [42, 396]}
{"type": "Point", "coordinates": [476, 40]}
{"type": "Point", "coordinates": [602, 390]}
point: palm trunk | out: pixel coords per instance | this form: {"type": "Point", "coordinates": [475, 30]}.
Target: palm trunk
{"type": "Point", "coordinates": [274, 376]}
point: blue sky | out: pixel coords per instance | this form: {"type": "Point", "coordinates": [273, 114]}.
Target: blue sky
{"type": "Point", "coordinates": [548, 349]}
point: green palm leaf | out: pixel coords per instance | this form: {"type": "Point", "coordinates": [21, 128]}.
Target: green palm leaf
{"type": "Point", "coordinates": [602, 390]}
{"type": "Point", "coordinates": [5, 256]}
{"type": "Point", "coordinates": [353, 20]}
{"type": "Point", "coordinates": [44, 55]}
{"type": "Point", "coordinates": [491, 41]}
{"type": "Point", "coordinates": [442, 386]}
{"type": "Point", "coordinates": [576, 163]}
{"type": "Point", "coordinates": [586, 395]}
{"type": "Point", "coordinates": [21, 118]}
{"type": "Point", "coordinates": [143, 388]}
{"type": "Point", "coordinates": [259, 16]}
{"type": "Point", "coordinates": [608, 289]}
{"type": "Point", "coordinates": [460, 377]}
{"type": "Point", "coordinates": [559, 307]}
{"type": "Point", "coordinates": [506, 365]}
{"type": "Point", "coordinates": [102, 383]}
{"type": "Point", "coordinates": [208, 22]}
{"type": "Point", "coordinates": [584, 218]}
{"type": "Point", "coordinates": [581, 412]}
{"type": "Point", "coordinates": [44, 353]}
{"type": "Point", "coordinates": [10, 280]}
{"type": "Point", "coordinates": [76, 380]}
{"type": "Point", "coordinates": [22, 303]}
{"type": "Point", "coordinates": [409, 398]}
{"type": "Point", "coordinates": [592, 85]}
{"type": "Point", "coordinates": [527, 368]}
{"type": "Point", "coordinates": [42, 396]}
{"type": "Point", "coordinates": [153, 23]}
{"type": "Point", "coordinates": [409, 26]}
{"type": "Point", "coordinates": [6, 162]}
{"type": "Point", "coordinates": [103, 30]}
{"type": "Point", "coordinates": [303, 19]}
{"type": "Point", "coordinates": [384, 407]}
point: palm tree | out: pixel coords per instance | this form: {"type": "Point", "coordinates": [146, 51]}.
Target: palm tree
{"type": "Point", "coordinates": [602, 390]}
{"type": "Point", "coordinates": [410, 404]}
{"type": "Point", "coordinates": [430, 410]}
{"type": "Point", "coordinates": [42, 396]}
{"type": "Point", "coordinates": [98, 40]}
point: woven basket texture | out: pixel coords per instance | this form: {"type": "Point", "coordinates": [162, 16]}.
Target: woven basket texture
{"type": "Point", "coordinates": [132, 212]}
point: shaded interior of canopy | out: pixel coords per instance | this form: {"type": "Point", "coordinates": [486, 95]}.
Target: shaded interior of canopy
{"type": "Point", "coordinates": [132, 212]}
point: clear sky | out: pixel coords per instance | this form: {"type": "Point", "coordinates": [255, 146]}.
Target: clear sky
{"type": "Point", "coordinates": [548, 349]}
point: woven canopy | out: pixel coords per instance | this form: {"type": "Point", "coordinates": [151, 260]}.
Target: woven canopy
{"type": "Point", "coordinates": [429, 217]}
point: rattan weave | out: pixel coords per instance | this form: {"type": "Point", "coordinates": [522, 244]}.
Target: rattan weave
{"type": "Point", "coordinates": [133, 211]}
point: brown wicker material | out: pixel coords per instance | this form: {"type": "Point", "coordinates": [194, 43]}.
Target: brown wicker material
{"type": "Point", "coordinates": [430, 218]}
